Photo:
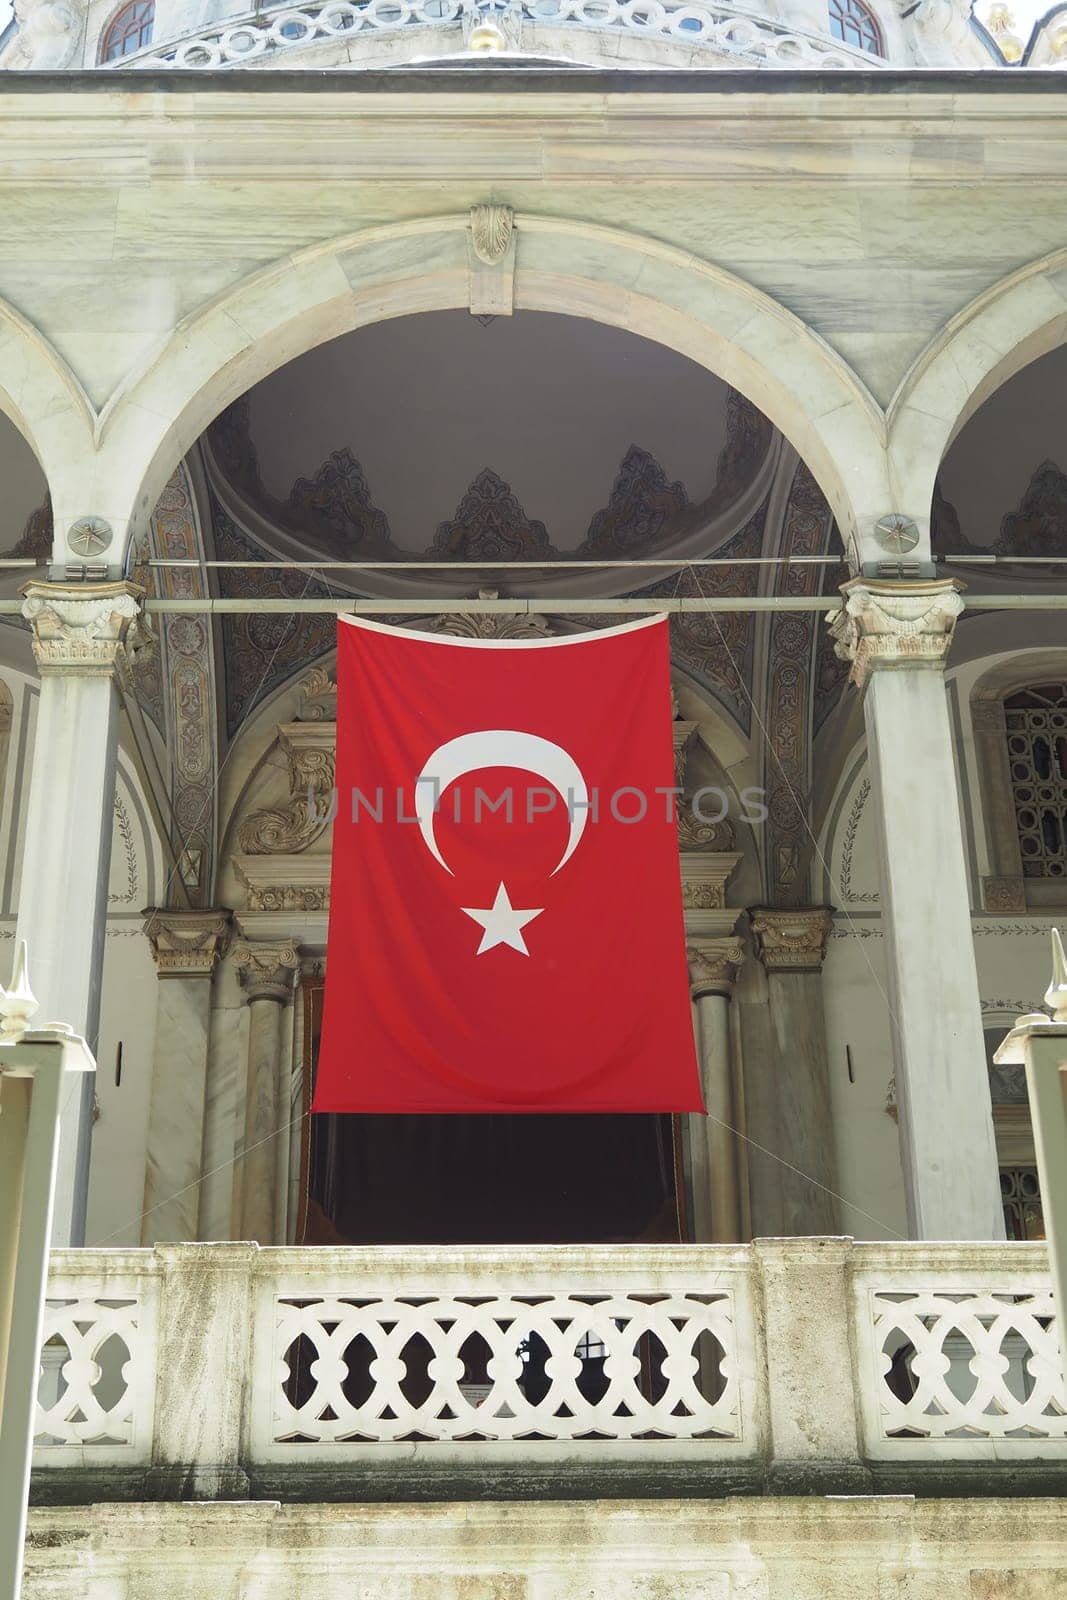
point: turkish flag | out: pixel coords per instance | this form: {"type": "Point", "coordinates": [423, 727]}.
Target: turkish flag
{"type": "Point", "coordinates": [506, 929]}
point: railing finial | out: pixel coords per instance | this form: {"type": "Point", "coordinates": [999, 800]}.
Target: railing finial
{"type": "Point", "coordinates": [1056, 993]}
{"type": "Point", "coordinates": [17, 1002]}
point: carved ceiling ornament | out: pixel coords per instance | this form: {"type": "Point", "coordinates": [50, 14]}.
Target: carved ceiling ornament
{"type": "Point", "coordinates": [491, 525]}
{"type": "Point", "coordinates": [488, 624]}
{"type": "Point", "coordinates": [644, 509]}
{"type": "Point", "coordinates": [186, 944]}
{"type": "Point", "coordinates": [885, 625]}
{"type": "Point", "coordinates": [794, 940]}
{"type": "Point", "coordinates": [337, 504]}
{"type": "Point", "coordinates": [84, 628]}
{"type": "Point", "coordinates": [309, 749]}
{"type": "Point", "coordinates": [808, 530]}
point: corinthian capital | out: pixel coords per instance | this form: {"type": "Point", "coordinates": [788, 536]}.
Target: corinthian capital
{"type": "Point", "coordinates": [792, 941]}
{"type": "Point", "coordinates": [895, 624]}
{"type": "Point", "coordinates": [186, 944]}
{"type": "Point", "coordinates": [83, 628]}
{"type": "Point", "coordinates": [267, 971]}
{"type": "Point", "coordinates": [713, 965]}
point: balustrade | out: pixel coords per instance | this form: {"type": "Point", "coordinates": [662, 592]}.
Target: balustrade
{"type": "Point", "coordinates": [695, 1356]}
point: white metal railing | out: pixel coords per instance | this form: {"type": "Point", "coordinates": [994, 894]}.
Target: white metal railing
{"type": "Point", "coordinates": [209, 1359]}
{"type": "Point", "coordinates": [728, 29]}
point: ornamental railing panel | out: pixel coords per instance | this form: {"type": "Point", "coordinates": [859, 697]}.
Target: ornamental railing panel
{"type": "Point", "coordinates": [493, 1354]}
{"type": "Point", "coordinates": [96, 1392]}
{"type": "Point", "coordinates": [959, 1363]}
{"type": "Point", "coordinates": [727, 30]}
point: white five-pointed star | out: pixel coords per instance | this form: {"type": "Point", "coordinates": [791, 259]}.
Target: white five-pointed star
{"type": "Point", "coordinates": [502, 924]}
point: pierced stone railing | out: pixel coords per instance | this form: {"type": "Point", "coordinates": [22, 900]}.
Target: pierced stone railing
{"type": "Point", "coordinates": [197, 1368]}
{"type": "Point", "coordinates": [730, 30]}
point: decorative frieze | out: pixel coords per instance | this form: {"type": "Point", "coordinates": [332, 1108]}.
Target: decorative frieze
{"type": "Point", "coordinates": [713, 965]}
{"type": "Point", "coordinates": [286, 830]}
{"type": "Point", "coordinates": [267, 971]}
{"type": "Point", "coordinates": [705, 878]}
{"type": "Point", "coordinates": [1005, 895]}
{"type": "Point", "coordinates": [85, 628]}
{"type": "Point", "coordinates": [792, 941]}
{"type": "Point", "coordinates": [285, 883]}
{"type": "Point", "coordinates": [895, 624]}
{"type": "Point", "coordinates": [186, 944]}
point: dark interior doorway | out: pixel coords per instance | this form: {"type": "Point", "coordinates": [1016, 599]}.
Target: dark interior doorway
{"type": "Point", "coordinates": [485, 1179]}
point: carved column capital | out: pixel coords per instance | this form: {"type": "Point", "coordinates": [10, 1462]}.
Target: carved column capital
{"type": "Point", "coordinates": [84, 628]}
{"type": "Point", "coordinates": [713, 966]}
{"type": "Point", "coordinates": [895, 624]}
{"type": "Point", "coordinates": [792, 941]}
{"type": "Point", "coordinates": [267, 971]}
{"type": "Point", "coordinates": [186, 944]}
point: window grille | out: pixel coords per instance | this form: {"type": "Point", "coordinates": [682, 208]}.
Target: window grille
{"type": "Point", "coordinates": [1036, 723]}
{"type": "Point", "coordinates": [1020, 1196]}
{"type": "Point", "coordinates": [130, 30]}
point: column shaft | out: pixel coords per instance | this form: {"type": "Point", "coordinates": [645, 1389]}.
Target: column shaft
{"type": "Point", "coordinates": [267, 973]}
{"type": "Point", "coordinates": [792, 945]}
{"type": "Point", "coordinates": [78, 635]}
{"type": "Point", "coordinates": [185, 945]}
{"type": "Point", "coordinates": [897, 636]}
{"type": "Point", "coordinates": [713, 965]}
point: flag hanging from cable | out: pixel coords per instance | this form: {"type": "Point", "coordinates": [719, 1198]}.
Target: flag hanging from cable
{"type": "Point", "coordinates": [506, 929]}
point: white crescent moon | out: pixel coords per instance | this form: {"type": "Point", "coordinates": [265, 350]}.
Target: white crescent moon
{"type": "Point", "coordinates": [501, 747]}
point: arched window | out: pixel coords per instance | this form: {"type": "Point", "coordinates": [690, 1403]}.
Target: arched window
{"type": "Point", "coordinates": [1036, 728]}
{"type": "Point", "coordinates": [130, 29]}
{"type": "Point", "coordinates": [1019, 720]}
{"type": "Point", "coordinates": [852, 23]}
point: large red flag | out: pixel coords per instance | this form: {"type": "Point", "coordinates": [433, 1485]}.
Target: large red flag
{"type": "Point", "coordinates": [506, 926]}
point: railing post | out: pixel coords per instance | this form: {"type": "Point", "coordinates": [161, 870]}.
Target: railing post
{"type": "Point", "coordinates": [813, 1420]}
{"type": "Point", "coordinates": [204, 1368]}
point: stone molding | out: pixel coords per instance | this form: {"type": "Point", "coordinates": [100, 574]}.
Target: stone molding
{"type": "Point", "coordinates": [309, 749]}
{"type": "Point", "coordinates": [706, 877]}
{"type": "Point", "coordinates": [267, 971]}
{"type": "Point", "coordinates": [713, 966]}
{"type": "Point", "coordinates": [187, 944]}
{"type": "Point", "coordinates": [792, 941]}
{"type": "Point", "coordinates": [285, 882]}
{"type": "Point", "coordinates": [895, 625]}
{"type": "Point", "coordinates": [87, 629]}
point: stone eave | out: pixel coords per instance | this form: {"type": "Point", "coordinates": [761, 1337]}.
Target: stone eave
{"type": "Point", "coordinates": [519, 80]}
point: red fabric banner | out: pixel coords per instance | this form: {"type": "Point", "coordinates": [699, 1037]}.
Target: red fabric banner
{"type": "Point", "coordinates": [506, 927]}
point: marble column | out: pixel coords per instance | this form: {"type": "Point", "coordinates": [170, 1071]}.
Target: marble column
{"type": "Point", "coordinates": [713, 965]}
{"type": "Point", "coordinates": [266, 972]}
{"type": "Point", "coordinates": [81, 634]}
{"type": "Point", "coordinates": [791, 946]}
{"type": "Point", "coordinates": [897, 636]}
{"type": "Point", "coordinates": [186, 946]}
